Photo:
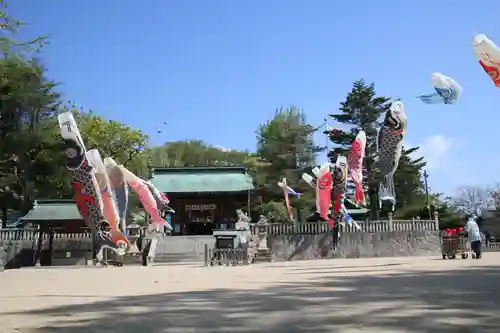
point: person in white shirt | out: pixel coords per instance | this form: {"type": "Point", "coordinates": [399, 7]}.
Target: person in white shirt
{"type": "Point", "coordinates": [474, 236]}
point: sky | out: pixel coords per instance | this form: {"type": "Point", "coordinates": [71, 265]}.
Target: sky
{"type": "Point", "coordinates": [215, 70]}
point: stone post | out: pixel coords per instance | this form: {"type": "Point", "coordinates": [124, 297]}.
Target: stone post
{"type": "Point", "coordinates": [390, 222]}
{"type": "Point", "coordinates": [39, 245]}
{"type": "Point", "coordinates": [3, 258]}
{"type": "Point", "coordinates": [436, 220]}
{"type": "Point", "coordinates": [262, 233]}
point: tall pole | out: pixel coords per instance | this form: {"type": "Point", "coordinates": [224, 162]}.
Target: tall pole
{"type": "Point", "coordinates": [327, 141]}
{"type": "Point", "coordinates": [426, 175]}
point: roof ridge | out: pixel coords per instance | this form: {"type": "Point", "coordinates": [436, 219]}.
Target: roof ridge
{"type": "Point", "coordinates": [198, 169]}
{"type": "Point", "coordinates": [203, 182]}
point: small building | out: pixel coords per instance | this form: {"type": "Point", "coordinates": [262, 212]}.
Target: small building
{"type": "Point", "coordinates": [61, 240]}
{"type": "Point", "coordinates": [204, 198]}
{"type": "Point", "coordinates": [57, 214]}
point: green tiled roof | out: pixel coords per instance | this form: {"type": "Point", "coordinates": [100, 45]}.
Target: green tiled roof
{"type": "Point", "coordinates": [44, 210]}
{"type": "Point", "coordinates": [13, 218]}
{"type": "Point", "coordinates": [201, 179]}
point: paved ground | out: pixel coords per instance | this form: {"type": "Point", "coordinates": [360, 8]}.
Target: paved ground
{"type": "Point", "coordinates": [370, 295]}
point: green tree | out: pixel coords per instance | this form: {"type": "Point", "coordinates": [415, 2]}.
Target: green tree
{"type": "Point", "coordinates": [362, 110]}
{"type": "Point", "coordinates": [114, 139]}
{"type": "Point", "coordinates": [274, 211]}
{"type": "Point", "coordinates": [24, 94]}
{"type": "Point", "coordinates": [27, 95]}
{"type": "Point", "coordinates": [408, 179]}
{"type": "Point", "coordinates": [195, 153]}
{"type": "Point", "coordinates": [286, 144]}
{"type": "Point", "coordinates": [28, 102]}
{"type": "Point", "coordinates": [9, 27]}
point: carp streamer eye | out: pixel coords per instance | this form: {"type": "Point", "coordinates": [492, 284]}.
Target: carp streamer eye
{"type": "Point", "coordinates": [71, 152]}
{"type": "Point", "coordinates": [493, 74]}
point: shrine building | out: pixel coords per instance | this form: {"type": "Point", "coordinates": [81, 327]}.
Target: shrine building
{"type": "Point", "coordinates": [204, 198]}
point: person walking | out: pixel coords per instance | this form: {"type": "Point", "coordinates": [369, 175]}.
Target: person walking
{"type": "Point", "coordinates": [474, 236]}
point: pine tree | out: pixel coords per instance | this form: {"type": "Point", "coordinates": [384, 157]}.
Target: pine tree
{"type": "Point", "coordinates": [408, 178]}
{"type": "Point", "coordinates": [363, 110]}
{"type": "Point", "coordinates": [286, 141]}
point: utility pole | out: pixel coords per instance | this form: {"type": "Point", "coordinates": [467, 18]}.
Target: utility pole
{"type": "Point", "coordinates": [426, 175]}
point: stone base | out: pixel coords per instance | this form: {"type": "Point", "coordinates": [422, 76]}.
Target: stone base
{"type": "Point", "coordinates": [355, 245]}
{"type": "Point", "coordinates": [263, 256]}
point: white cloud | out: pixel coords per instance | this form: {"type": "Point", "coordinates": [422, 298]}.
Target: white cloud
{"type": "Point", "coordinates": [435, 149]}
{"type": "Point", "coordinates": [224, 149]}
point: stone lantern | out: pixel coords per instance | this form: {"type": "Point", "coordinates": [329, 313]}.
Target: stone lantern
{"type": "Point", "coordinates": [261, 230]}
{"type": "Point", "coordinates": [133, 234]}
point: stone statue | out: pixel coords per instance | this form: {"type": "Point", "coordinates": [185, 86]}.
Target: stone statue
{"type": "Point", "coordinates": [243, 226]}
{"type": "Point", "coordinates": [244, 238]}
{"type": "Point", "coordinates": [242, 217]}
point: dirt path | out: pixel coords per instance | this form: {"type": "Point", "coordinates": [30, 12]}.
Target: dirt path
{"type": "Point", "coordinates": [370, 295]}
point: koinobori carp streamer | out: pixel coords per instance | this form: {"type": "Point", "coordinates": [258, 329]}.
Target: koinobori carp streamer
{"type": "Point", "coordinates": [84, 182]}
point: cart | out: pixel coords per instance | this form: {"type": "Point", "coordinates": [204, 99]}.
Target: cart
{"type": "Point", "coordinates": [451, 245]}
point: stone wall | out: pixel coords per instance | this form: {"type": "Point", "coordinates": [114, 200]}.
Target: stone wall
{"type": "Point", "coordinates": [76, 249]}
{"type": "Point", "coordinates": [354, 245]}
{"type": "Point", "coordinates": [287, 242]}
{"type": "Point", "coordinates": [18, 253]}
{"type": "Point", "coordinates": [183, 248]}
{"type": "Point", "coordinates": [68, 249]}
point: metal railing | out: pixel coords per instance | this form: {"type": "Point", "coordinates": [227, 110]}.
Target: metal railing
{"type": "Point", "coordinates": [225, 257]}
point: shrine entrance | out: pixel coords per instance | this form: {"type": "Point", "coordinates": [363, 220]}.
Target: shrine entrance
{"type": "Point", "coordinates": [204, 198]}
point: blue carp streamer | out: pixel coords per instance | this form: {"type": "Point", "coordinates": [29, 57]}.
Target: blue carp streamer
{"type": "Point", "coordinates": [447, 91]}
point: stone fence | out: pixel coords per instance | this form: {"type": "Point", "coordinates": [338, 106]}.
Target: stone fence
{"type": "Point", "coordinates": [316, 228]}
{"type": "Point", "coordinates": [65, 248]}
{"type": "Point", "coordinates": [492, 247]}
{"type": "Point", "coordinates": [11, 234]}
{"type": "Point", "coordinates": [311, 240]}
{"type": "Point", "coordinates": [307, 228]}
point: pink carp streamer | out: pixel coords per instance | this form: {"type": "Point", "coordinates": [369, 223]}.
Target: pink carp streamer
{"type": "Point", "coordinates": [145, 196]}
{"type": "Point", "coordinates": [282, 184]}
{"type": "Point", "coordinates": [287, 191]}
{"type": "Point", "coordinates": [324, 192]}
{"type": "Point", "coordinates": [355, 165]}
{"type": "Point", "coordinates": [109, 208]}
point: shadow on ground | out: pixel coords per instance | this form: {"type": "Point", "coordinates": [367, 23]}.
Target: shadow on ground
{"type": "Point", "coordinates": [449, 301]}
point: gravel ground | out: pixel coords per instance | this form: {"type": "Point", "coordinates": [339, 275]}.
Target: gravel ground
{"type": "Point", "coordinates": [412, 294]}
